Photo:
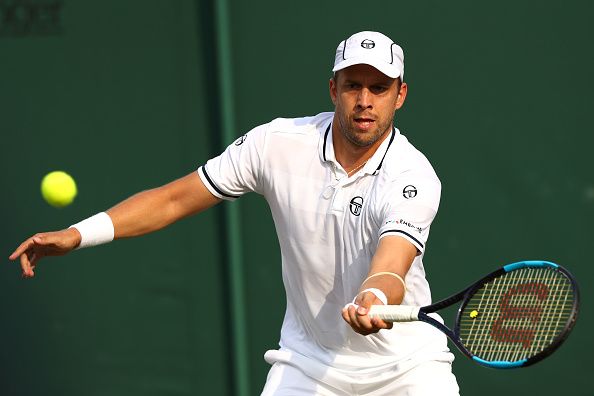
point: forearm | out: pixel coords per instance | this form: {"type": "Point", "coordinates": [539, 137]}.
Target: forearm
{"type": "Point", "coordinates": [152, 210]}
{"type": "Point", "coordinates": [389, 267]}
{"type": "Point", "coordinates": [389, 283]}
{"type": "Point", "coordinates": [143, 213]}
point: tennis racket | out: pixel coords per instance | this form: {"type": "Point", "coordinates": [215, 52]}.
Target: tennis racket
{"type": "Point", "coordinates": [513, 317]}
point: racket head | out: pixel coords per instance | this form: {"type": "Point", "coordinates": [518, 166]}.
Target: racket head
{"type": "Point", "coordinates": [517, 315]}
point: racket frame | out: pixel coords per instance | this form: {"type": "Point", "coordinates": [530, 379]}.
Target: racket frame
{"type": "Point", "coordinates": [465, 296]}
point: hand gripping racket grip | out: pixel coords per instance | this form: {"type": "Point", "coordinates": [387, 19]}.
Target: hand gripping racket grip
{"type": "Point", "coordinates": [395, 313]}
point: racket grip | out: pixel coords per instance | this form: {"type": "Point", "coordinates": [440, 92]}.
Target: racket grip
{"type": "Point", "coordinates": [395, 313]}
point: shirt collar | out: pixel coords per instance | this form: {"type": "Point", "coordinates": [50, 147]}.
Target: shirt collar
{"type": "Point", "coordinates": [373, 165]}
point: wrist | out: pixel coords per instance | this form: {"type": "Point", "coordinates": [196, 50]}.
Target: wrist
{"type": "Point", "coordinates": [95, 230]}
{"type": "Point", "coordinates": [377, 292]}
{"type": "Point", "coordinates": [75, 234]}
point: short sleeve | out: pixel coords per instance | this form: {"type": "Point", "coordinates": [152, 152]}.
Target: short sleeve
{"type": "Point", "coordinates": [238, 169]}
{"type": "Point", "coordinates": [409, 207]}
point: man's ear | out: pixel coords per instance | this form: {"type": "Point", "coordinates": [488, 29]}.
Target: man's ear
{"type": "Point", "coordinates": [401, 95]}
{"type": "Point", "coordinates": [333, 93]}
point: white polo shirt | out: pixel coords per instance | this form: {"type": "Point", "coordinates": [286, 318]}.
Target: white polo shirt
{"type": "Point", "coordinates": [329, 226]}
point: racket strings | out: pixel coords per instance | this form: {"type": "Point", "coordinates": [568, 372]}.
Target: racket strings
{"type": "Point", "coordinates": [517, 315]}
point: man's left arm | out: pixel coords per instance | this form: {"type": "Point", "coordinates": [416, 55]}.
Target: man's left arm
{"type": "Point", "coordinates": [388, 268]}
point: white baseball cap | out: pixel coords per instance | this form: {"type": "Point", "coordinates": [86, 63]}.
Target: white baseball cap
{"type": "Point", "coordinates": [371, 48]}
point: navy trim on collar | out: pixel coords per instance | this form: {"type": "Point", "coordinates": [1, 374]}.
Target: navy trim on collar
{"type": "Point", "coordinates": [386, 152]}
{"type": "Point", "coordinates": [326, 140]}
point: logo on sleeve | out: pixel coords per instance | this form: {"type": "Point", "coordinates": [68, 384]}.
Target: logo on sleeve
{"type": "Point", "coordinates": [240, 141]}
{"type": "Point", "coordinates": [406, 223]}
{"type": "Point", "coordinates": [356, 205]}
{"type": "Point", "coordinates": [409, 192]}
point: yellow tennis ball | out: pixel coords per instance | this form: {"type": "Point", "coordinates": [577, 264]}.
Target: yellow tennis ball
{"type": "Point", "coordinates": [58, 188]}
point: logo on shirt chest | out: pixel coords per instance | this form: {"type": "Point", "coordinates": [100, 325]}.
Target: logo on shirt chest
{"type": "Point", "coordinates": [356, 205]}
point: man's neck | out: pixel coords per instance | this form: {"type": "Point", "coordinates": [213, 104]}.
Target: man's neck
{"type": "Point", "coordinates": [349, 155]}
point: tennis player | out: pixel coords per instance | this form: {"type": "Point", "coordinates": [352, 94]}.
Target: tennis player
{"type": "Point", "coordinates": [352, 202]}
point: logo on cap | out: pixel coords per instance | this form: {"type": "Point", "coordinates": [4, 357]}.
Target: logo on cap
{"type": "Point", "coordinates": [367, 44]}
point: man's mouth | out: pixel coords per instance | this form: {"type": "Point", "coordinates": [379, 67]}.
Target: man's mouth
{"type": "Point", "coordinates": [364, 123]}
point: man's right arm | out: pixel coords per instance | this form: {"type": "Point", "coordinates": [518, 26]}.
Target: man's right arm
{"type": "Point", "coordinates": [155, 209]}
{"type": "Point", "coordinates": [140, 214]}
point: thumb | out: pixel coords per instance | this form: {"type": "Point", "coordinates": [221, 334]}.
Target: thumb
{"type": "Point", "coordinates": [44, 240]}
{"type": "Point", "coordinates": [365, 301]}
{"type": "Point", "coordinates": [64, 240]}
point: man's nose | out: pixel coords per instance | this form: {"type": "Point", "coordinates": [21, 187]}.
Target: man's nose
{"type": "Point", "coordinates": [364, 99]}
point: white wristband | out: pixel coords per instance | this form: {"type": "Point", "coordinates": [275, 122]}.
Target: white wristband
{"type": "Point", "coordinates": [95, 230]}
{"type": "Point", "coordinates": [378, 293]}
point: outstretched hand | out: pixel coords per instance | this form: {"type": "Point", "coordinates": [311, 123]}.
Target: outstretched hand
{"type": "Point", "coordinates": [46, 244]}
{"type": "Point", "coordinates": [356, 315]}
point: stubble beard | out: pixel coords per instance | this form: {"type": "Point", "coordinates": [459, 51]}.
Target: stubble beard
{"type": "Point", "coordinates": [362, 139]}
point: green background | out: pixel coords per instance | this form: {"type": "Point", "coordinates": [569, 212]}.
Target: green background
{"type": "Point", "coordinates": [128, 95]}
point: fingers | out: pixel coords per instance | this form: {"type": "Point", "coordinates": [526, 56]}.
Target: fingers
{"type": "Point", "coordinates": [28, 261]}
{"type": "Point", "coordinates": [360, 323]}
{"type": "Point", "coordinates": [356, 315]}
{"type": "Point", "coordinates": [42, 245]}
{"type": "Point", "coordinates": [30, 254]}
{"type": "Point", "coordinates": [26, 253]}
{"type": "Point", "coordinates": [28, 244]}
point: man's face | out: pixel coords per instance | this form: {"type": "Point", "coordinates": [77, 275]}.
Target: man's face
{"type": "Point", "coordinates": [365, 100]}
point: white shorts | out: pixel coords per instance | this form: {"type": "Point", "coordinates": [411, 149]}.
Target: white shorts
{"type": "Point", "coordinates": [425, 379]}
